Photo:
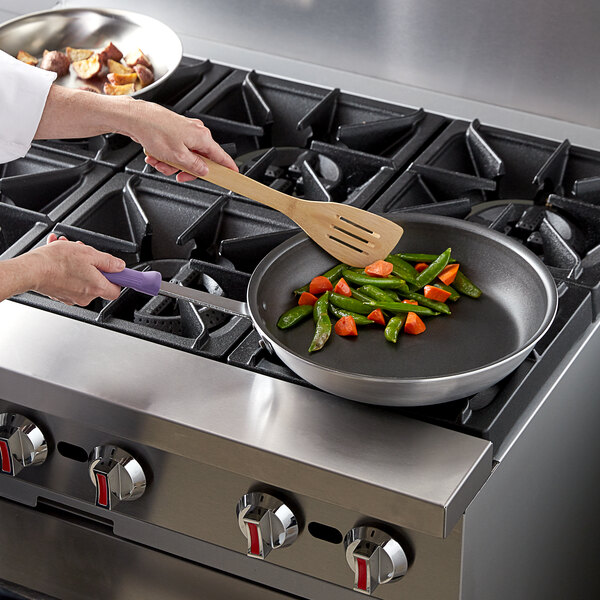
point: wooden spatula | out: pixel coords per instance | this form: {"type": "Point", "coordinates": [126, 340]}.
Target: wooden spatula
{"type": "Point", "coordinates": [353, 236]}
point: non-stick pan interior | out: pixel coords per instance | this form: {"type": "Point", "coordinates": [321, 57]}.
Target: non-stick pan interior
{"type": "Point", "coordinates": [514, 305]}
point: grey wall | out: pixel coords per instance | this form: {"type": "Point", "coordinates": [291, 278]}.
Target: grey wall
{"type": "Point", "coordinates": [539, 56]}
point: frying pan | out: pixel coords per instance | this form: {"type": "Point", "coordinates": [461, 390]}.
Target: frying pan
{"type": "Point", "coordinates": [479, 344]}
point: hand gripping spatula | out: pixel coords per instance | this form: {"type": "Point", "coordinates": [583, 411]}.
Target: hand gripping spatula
{"type": "Point", "coordinates": [352, 235]}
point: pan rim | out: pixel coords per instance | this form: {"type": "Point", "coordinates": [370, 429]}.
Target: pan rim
{"type": "Point", "coordinates": [538, 266]}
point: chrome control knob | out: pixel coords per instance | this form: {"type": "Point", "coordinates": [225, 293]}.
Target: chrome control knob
{"type": "Point", "coordinates": [116, 475]}
{"type": "Point", "coordinates": [375, 558]}
{"type": "Point", "coordinates": [22, 443]}
{"type": "Point", "coordinates": [266, 522]}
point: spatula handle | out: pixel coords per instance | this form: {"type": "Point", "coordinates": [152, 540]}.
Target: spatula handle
{"type": "Point", "coordinates": [244, 186]}
{"type": "Point", "coordinates": [147, 282]}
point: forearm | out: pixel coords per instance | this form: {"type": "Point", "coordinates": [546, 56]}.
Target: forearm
{"type": "Point", "coordinates": [17, 275]}
{"type": "Point", "coordinates": [73, 113]}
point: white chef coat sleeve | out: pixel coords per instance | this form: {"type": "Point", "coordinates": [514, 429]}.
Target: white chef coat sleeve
{"type": "Point", "coordinates": [23, 93]}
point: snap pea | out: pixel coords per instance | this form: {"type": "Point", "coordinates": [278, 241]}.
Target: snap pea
{"type": "Point", "coordinates": [465, 286]}
{"type": "Point", "coordinates": [351, 304]}
{"type": "Point", "coordinates": [403, 269]}
{"type": "Point", "coordinates": [358, 319]}
{"type": "Point", "coordinates": [360, 296]}
{"type": "Point", "coordinates": [333, 274]}
{"type": "Point", "coordinates": [403, 307]}
{"type": "Point", "coordinates": [375, 293]}
{"type": "Point", "coordinates": [394, 327]}
{"type": "Point", "coordinates": [380, 282]}
{"type": "Point", "coordinates": [454, 295]}
{"type": "Point", "coordinates": [294, 316]}
{"type": "Point", "coordinates": [423, 301]}
{"type": "Point", "coordinates": [434, 269]}
{"type": "Point", "coordinates": [323, 325]}
{"type": "Point", "coordinates": [417, 258]}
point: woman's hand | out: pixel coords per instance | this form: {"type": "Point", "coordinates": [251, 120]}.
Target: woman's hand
{"type": "Point", "coordinates": [70, 271]}
{"type": "Point", "coordinates": [167, 136]}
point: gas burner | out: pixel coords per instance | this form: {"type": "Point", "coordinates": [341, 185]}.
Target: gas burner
{"type": "Point", "coordinates": [294, 171]}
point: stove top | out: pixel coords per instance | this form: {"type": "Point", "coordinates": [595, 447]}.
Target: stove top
{"type": "Point", "coordinates": [325, 145]}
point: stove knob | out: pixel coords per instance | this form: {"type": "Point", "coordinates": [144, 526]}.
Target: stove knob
{"type": "Point", "coordinates": [116, 475]}
{"type": "Point", "coordinates": [375, 558]}
{"type": "Point", "coordinates": [22, 444]}
{"type": "Point", "coordinates": [266, 522]}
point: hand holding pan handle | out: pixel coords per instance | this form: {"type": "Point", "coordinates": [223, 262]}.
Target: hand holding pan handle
{"type": "Point", "coordinates": [151, 283]}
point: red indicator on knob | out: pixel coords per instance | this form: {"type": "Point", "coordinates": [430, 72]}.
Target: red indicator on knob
{"type": "Point", "coordinates": [102, 490]}
{"type": "Point", "coordinates": [361, 579]}
{"type": "Point", "coordinates": [6, 459]}
{"type": "Point", "coordinates": [254, 541]}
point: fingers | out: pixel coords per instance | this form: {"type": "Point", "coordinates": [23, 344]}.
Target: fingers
{"type": "Point", "coordinates": [161, 166]}
{"type": "Point", "coordinates": [106, 262]}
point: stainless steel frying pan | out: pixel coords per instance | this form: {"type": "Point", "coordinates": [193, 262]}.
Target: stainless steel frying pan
{"type": "Point", "coordinates": [93, 29]}
{"type": "Point", "coordinates": [479, 344]}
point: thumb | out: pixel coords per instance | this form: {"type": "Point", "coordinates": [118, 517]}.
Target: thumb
{"type": "Point", "coordinates": [107, 263]}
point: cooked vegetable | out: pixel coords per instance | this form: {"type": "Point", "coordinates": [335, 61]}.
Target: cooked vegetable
{"type": "Point", "coordinates": [421, 300]}
{"type": "Point", "coordinates": [333, 275]}
{"type": "Point", "coordinates": [145, 75]}
{"type": "Point", "coordinates": [121, 78]}
{"type": "Point", "coordinates": [448, 274]}
{"type": "Point", "coordinates": [137, 57]}
{"type": "Point", "coordinates": [465, 286]}
{"type": "Point", "coordinates": [88, 68]}
{"type": "Point", "coordinates": [419, 258]}
{"type": "Point", "coordinates": [55, 61]}
{"type": "Point", "coordinates": [434, 269]}
{"type": "Point", "coordinates": [307, 298]}
{"type": "Point", "coordinates": [323, 325]}
{"type": "Point", "coordinates": [377, 316]}
{"type": "Point", "coordinates": [393, 328]}
{"type": "Point", "coordinates": [380, 268]}
{"type": "Point", "coordinates": [382, 282]}
{"type": "Point", "coordinates": [454, 295]}
{"type": "Point", "coordinates": [340, 312]}
{"type": "Point", "coordinates": [76, 54]}
{"type": "Point", "coordinates": [420, 267]}
{"type": "Point", "coordinates": [110, 51]}
{"type": "Point", "coordinates": [341, 287]}
{"type": "Point", "coordinates": [346, 326]}
{"type": "Point", "coordinates": [319, 285]}
{"type": "Point", "coordinates": [414, 324]}
{"type": "Point", "coordinates": [401, 307]}
{"type": "Point", "coordinates": [27, 58]}
{"type": "Point", "coordinates": [434, 293]}
{"type": "Point", "coordinates": [403, 269]}
{"type": "Point", "coordinates": [294, 316]}
{"type": "Point", "coordinates": [374, 293]}
{"type": "Point", "coordinates": [119, 90]}
{"type": "Point", "coordinates": [359, 295]}
{"type": "Point", "coordinates": [117, 67]}
{"type": "Point", "coordinates": [350, 304]}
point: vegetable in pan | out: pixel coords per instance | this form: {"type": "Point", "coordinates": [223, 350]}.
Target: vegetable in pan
{"type": "Point", "coordinates": [396, 293]}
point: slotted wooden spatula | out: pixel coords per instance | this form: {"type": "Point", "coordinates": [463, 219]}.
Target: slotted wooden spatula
{"type": "Point", "coordinates": [353, 236]}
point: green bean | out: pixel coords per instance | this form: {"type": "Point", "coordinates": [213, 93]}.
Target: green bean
{"type": "Point", "coordinates": [465, 286]}
{"type": "Point", "coordinates": [358, 319]}
{"type": "Point", "coordinates": [423, 301]}
{"type": "Point", "coordinates": [333, 273]}
{"type": "Point", "coordinates": [403, 307]}
{"type": "Point", "coordinates": [434, 269]}
{"type": "Point", "coordinates": [417, 258]}
{"type": "Point", "coordinates": [394, 327]}
{"type": "Point", "coordinates": [294, 316]}
{"type": "Point", "coordinates": [454, 295]}
{"type": "Point", "coordinates": [380, 282]}
{"type": "Point", "coordinates": [350, 304]}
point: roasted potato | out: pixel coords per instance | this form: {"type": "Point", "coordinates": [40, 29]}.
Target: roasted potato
{"type": "Point", "coordinates": [55, 61]}
{"type": "Point", "coordinates": [77, 54]}
{"type": "Point", "coordinates": [110, 52]}
{"type": "Point", "coordinates": [137, 57]}
{"type": "Point", "coordinates": [88, 68]}
{"type": "Point", "coordinates": [117, 67]}
{"type": "Point", "coordinates": [119, 90]}
{"type": "Point", "coordinates": [121, 79]}
{"type": "Point", "coordinates": [145, 74]}
{"type": "Point", "coordinates": [27, 58]}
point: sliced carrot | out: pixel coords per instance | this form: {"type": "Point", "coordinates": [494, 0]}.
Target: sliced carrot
{"type": "Point", "coordinates": [411, 302]}
{"type": "Point", "coordinates": [346, 326]}
{"type": "Point", "coordinates": [319, 285]}
{"type": "Point", "coordinates": [414, 325]}
{"type": "Point", "coordinates": [377, 316]}
{"type": "Point", "coordinates": [421, 267]}
{"type": "Point", "coordinates": [380, 268]}
{"type": "Point", "coordinates": [307, 298]}
{"type": "Point", "coordinates": [342, 288]}
{"type": "Point", "coordinates": [449, 273]}
{"type": "Point", "coordinates": [434, 293]}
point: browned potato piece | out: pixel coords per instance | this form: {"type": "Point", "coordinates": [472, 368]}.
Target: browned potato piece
{"type": "Point", "coordinates": [55, 61]}
{"type": "Point", "coordinates": [86, 69]}
{"type": "Point", "coordinates": [27, 58]}
{"type": "Point", "coordinates": [137, 57]}
{"type": "Point", "coordinates": [120, 79]}
{"type": "Point", "coordinates": [145, 74]}
{"type": "Point", "coordinates": [119, 90]}
{"type": "Point", "coordinates": [110, 52]}
{"type": "Point", "coordinates": [77, 54]}
{"type": "Point", "coordinates": [117, 67]}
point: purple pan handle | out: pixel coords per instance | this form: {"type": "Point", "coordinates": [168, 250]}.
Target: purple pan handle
{"type": "Point", "coordinates": [147, 282]}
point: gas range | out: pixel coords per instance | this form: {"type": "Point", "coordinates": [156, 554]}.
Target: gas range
{"type": "Point", "coordinates": [181, 413]}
